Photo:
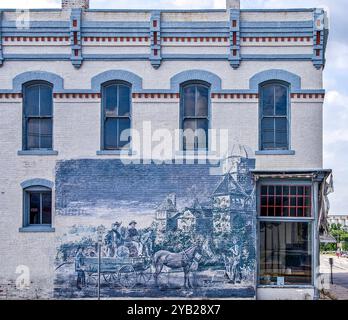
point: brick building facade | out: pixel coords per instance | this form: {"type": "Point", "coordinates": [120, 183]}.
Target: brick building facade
{"type": "Point", "coordinates": [237, 206]}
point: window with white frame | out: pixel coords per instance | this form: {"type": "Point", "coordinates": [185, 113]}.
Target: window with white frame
{"type": "Point", "coordinates": [285, 234]}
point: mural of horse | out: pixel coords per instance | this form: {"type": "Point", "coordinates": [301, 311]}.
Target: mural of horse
{"type": "Point", "coordinates": [188, 260]}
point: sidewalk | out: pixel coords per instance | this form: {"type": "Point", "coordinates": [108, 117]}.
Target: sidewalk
{"type": "Point", "coordinates": [339, 289]}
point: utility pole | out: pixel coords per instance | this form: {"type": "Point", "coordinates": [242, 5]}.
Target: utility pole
{"type": "Point", "coordinates": [100, 231]}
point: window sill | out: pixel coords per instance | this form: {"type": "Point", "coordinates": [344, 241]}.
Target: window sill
{"type": "Point", "coordinates": [116, 152]}
{"type": "Point", "coordinates": [37, 153]}
{"type": "Point", "coordinates": [33, 229]}
{"type": "Point", "coordinates": [290, 286]}
{"type": "Point", "coordinates": [275, 152]}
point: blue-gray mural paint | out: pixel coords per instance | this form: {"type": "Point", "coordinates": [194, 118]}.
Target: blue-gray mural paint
{"type": "Point", "coordinates": [164, 230]}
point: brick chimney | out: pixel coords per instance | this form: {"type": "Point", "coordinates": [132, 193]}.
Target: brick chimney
{"type": "Point", "coordinates": [232, 4]}
{"type": "Point", "coordinates": [75, 4]}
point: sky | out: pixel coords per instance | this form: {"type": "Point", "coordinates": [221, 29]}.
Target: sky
{"type": "Point", "coordinates": [335, 73]}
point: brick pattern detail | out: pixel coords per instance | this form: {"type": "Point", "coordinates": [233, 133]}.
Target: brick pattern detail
{"type": "Point", "coordinates": [234, 95]}
{"type": "Point", "coordinates": [36, 39]}
{"type": "Point", "coordinates": [195, 39]}
{"type": "Point", "coordinates": [308, 95]}
{"type": "Point", "coordinates": [10, 95]}
{"type": "Point", "coordinates": [276, 39]}
{"type": "Point", "coordinates": [116, 39]}
{"type": "Point", "coordinates": [156, 95]}
{"type": "Point", "coordinates": [77, 95]}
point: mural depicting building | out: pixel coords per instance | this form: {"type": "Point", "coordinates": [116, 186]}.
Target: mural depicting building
{"type": "Point", "coordinates": [183, 146]}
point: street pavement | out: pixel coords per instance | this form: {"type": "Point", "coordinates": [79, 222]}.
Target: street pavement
{"type": "Point", "coordinates": [339, 290]}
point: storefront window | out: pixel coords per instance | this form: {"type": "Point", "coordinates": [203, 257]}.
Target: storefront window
{"type": "Point", "coordinates": [285, 253]}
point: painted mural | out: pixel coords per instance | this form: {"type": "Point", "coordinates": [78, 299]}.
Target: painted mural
{"type": "Point", "coordinates": [168, 230]}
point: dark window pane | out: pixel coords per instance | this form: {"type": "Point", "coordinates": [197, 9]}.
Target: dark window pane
{"type": "Point", "coordinates": [33, 134]}
{"type": "Point", "coordinates": [300, 191]}
{"type": "Point", "coordinates": [278, 201]}
{"type": "Point", "coordinates": [32, 100]}
{"type": "Point", "coordinates": [264, 190]}
{"type": "Point", "coordinates": [271, 201]}
{"type": "Point", "coordinates": [285, 212]}
{"type": "Point", "coordinates": [293, 191]}
{"type": "Point", "coordinates": [264, 212]}
{"type": "Point", "coordinates": [189, 134]}
{"type": "Point", "coordinates": [279, 190]}
{"type": "Point", "coordinates": [293, 201]}
{"type": "Point", "coordinates": [285, 190]}
{"type": "Point", "coordinates": [307, 201]}
{"type": "Point", "coordinates": [45, 100]}
{"type": "Point", "coordinates": [111, 100]}
{"type": "Point", "coordinates": [202, 101]}
{"type": "Point", "coordinates": [281, 97]}
{"type": "Point", "coordinates": [202, 134]}
{"type": "Point", "coordinates": [286, 253]}
{"type": "Point", "coordinates": [267, 129]}
{"type": "Point", "coordinates": [271, 190]}
{"type": "Point", "coordinates": [281, 132]}
{"type": "Point", "coordinates": [264, 201]}
{"type": "Point", "coordinates": [268, 101]}
{"type": "Point", "coordinates": [292, 212]}
{"type": "Point", "coordinates": [110, 134]}
{"type": "Point", "coordinates": [278, 211]}
{"type": "Point", "coordinates": [46, 208]}
{"type": "Point", "coordinates": [124, 102]}
{"type": "Point", "coordinates": [300, 212]}
{"type": "Point", "coordinates": [34, 208]}
{"type": "Point", "coordinates": [300, 201]}
{"type": "Point", "coordinates": [46, 133]}
{"type": "Point", "coordinates": [123, 125]}
{"type": "Point", "coordinates": [286, 201]}
{"type": "Point", "coordinates": [189, 101]}
{"type": "Point", "coordinates": [308, 191]}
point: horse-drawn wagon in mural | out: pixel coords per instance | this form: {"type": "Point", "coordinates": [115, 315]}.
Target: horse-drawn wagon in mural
{"type": "Point", "coordinates": [126, 271]}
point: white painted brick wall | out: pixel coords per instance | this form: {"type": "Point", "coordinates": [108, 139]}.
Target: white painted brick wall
{"type": "Point", "coordinates": [77, 131]}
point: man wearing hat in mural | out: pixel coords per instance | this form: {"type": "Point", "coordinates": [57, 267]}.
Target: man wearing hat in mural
{"type": "Point", "coordinates": [133, 234]}
{"type": "Point", "coordinates": [114, 239]}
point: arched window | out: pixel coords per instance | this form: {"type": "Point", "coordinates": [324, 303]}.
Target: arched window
{"type": "Point", "coordinates": [274, 116]}
{"type": "Point", "coordinates": [37, 116]}
{"type": "Point", "coordinates": [195, 116]}
{"type": "Point", "coordinates": [116, 115]}
{"type": "Point", "coordinates": [37, 206]}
